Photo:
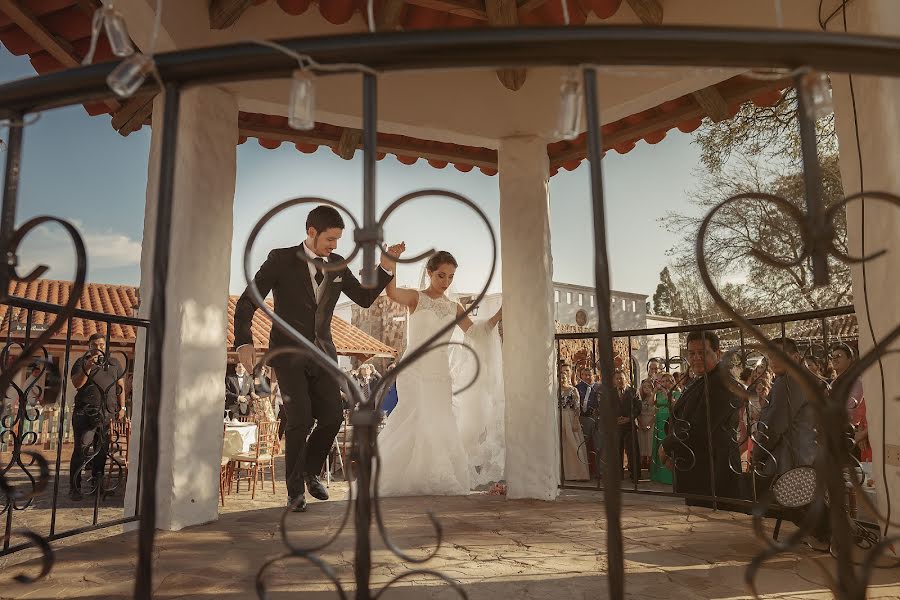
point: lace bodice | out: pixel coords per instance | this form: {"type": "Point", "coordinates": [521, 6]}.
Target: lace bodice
{"type": "Point", "coordinates": [442, 307]}
{"type": "Point", "coordinates": [430, 316]}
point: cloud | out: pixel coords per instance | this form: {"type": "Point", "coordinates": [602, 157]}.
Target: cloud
{"type": "Point", "coordinates": [109, 250]}
{"type": "Point", "coordinates": [51, 245]}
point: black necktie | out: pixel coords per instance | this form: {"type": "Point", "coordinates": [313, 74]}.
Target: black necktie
{"type": "Point", "coordinates": [320, 276]}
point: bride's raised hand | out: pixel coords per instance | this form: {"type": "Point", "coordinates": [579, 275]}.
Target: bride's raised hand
{"type": "Point", "coordinates": [391, 254]}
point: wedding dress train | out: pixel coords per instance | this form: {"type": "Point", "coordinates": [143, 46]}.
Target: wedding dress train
{"type": "Point", "coordinates": [433, 443]}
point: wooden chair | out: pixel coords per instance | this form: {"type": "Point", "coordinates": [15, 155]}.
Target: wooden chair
{"type": "Point", "coordinates": [225, 471]}
{"type": "Point", "coordinates": [119, 440]}
{"type": "Point", "coordinates": [225, 478]}
{"type": "Point", "coordinates": [262, 456]}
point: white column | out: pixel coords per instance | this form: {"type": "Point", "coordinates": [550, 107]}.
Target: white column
{"type": "Point", "coordinates": [875, 122]}
{"type": "Point", "coordinates": [529, 355]}
{"type": "Point", "coordinates": [192, 402]}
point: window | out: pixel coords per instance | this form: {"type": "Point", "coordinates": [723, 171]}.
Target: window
{"type": "Point", "coordinates": [623, 305]}
{"type": "Point", "coordinates": [556, 296]}
{"type": "Point", "coordinates": [612, 302]}
{"type": "Point", "coordinates": [580, 299]}
{"type": "Point", "coordinates": [592, 301]}
{"type": "Point", "coordinates": [633, 306]}
{"type": "Point", "coordinates": [568, 297]}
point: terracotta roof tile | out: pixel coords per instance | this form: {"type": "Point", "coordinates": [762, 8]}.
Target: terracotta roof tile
{"type": "Point", "coordinates": [122, 301]}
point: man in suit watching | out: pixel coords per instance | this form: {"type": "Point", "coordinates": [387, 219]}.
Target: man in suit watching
{"type": "Point", "coordinates": [628, 405]}
{"type": "Point", "coordinates": [238, 391]}
{"type": "Point", "coordinates": [305, 295]}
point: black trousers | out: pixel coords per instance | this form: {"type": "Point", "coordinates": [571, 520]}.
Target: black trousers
{"type": "Point", "coordinates": [310, 395]}
{"type": "Point", "coordinates": [628, 443]}
{"type": "Point", "coordinates": [91, 438]}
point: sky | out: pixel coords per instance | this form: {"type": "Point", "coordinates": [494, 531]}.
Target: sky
{"type": "Point", "coordinates": [78, 168]}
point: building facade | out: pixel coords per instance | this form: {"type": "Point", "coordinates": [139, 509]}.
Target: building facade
{"type": "Point", "coordinates": [577, 305]}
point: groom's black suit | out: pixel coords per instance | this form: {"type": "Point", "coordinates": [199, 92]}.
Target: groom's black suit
{"type": "Point", "coordinates": [309, 393]}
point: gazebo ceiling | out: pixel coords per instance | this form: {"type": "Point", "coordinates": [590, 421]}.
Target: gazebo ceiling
{"type": "Point", "coordinates": [55, 34]}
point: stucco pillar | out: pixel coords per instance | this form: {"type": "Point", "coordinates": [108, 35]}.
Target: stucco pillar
{"type": "Point", "coordinates": [532, 432]}
{"type": "Point", "coordinates": [192, 403]}
{"type": "Point", "coordinates": [872, 226]}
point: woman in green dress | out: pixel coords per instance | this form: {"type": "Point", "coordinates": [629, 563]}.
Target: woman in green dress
{"type": "Point", "coordinates": [664, 383]}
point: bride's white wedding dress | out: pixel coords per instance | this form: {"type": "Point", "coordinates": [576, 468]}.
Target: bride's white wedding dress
{"type": "Point", "coordinates": [421, 446]}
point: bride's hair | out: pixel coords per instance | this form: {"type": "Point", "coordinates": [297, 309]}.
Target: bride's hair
{"type": "Point", "coordinates": [440, 258]}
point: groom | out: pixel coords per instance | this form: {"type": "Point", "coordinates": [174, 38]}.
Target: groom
{"type": "Point", "coordinates": [305, 297]}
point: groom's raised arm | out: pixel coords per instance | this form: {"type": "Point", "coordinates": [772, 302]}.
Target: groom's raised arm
{"type": "Point", "coordinates": [265, 280]}
{"type": "Point", "coordinates": [360, 295]}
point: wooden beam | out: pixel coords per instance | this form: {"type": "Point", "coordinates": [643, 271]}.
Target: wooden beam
{"type": "Point", "coordinates": [526, 6]}
{"type": "Point", "coordinates": [349, 142]}
{"type": "Point", "coordinates": [505, 13]}
{"type": "Point", "coordinates": [89, 6]}
{"type": "Point", "coordinates": [712, 103]}
{"type": "Point", "coordinates": [27, 22]}
{"type": "Point", "coordinates": [486, 158]}
{"type": "Point", "coordinates": [134, 113]}
{"type": "Point", "coordinates": [465, 8]}
{"type": "Point", "coordinates": [59, 49]}
{"type": "Point", "coordinates": [650, 12]}
{"type": "Point", "coordinates": [388, 18]}
{"type": "Point", "coordinates": [225, 13]}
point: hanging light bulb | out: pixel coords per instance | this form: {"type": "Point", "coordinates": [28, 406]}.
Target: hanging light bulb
{"type": "Point", "coordinates": [302, 107]}
{"type": "Point", "coordinates": [570, 121]}
{"type": "Point", "coordinates": [108, 18]}
{"type": "Point", "coordinates": [129, 75]}
{"type": "Point", "coordinates": [117, 32]}
{"type": "Point", "coordinates": [817, 95]}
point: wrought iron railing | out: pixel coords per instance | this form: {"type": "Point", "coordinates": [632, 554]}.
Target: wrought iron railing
{"type": "Point", "coordinates": [584, 48]}
{"type": "Point", "coordinates": [37, 415]}
{"type": "Point", "coordinates": [811, 330]}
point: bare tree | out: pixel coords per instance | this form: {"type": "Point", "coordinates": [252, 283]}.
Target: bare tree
{"type": "Point", "coordinates": [764, 132]}
{"type": "Point", "coordinates": [751, 225]}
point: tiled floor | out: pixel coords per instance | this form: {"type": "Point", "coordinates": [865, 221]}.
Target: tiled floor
{"type": "Point", "coordinates": [494, 547]}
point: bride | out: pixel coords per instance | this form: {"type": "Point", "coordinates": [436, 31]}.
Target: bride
{"type": "Point", "coordinates": [426, 449]}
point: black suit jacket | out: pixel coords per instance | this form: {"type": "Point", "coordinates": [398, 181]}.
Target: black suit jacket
{"type": "Point", "coordinates": [591, 391]}
{"type": "Point", "coordinates": [233, 390]}
{"type": "Point", "coordinates": [629, 405]}
{"type": "Point", "coordinates": [690, 423]}
{"type": "Point", "coordinates": [286, 275]}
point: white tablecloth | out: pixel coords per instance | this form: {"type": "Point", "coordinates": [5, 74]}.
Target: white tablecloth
{"type": "Point", "coordinates": [238, 438]}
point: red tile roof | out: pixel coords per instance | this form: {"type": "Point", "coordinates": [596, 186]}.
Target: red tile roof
{"type": "Point", "coordinates": [72, 24]}
{"type": "Point", "coordinates": [122, 301]}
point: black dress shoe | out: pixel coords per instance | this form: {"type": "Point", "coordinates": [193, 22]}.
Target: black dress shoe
{"type": "Point", "coordinates": [297, 505]}
{"type": "Point", "coordinates": [315, 487]}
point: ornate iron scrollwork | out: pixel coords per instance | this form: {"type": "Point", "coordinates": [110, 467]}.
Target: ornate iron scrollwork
{"type": "Point", "coordinates": [363, 500]}
{"type": "Point", "coordinates": [15, 497]}
{"type": "Point", "coordinates": [834, 466]}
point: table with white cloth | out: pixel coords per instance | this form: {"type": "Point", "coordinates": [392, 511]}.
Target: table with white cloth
{"type": "Point", "coordinates": [239, 437]}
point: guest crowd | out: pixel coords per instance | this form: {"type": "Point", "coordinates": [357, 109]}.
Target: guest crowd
{"type": "Point", "coordinates": [710, 431]}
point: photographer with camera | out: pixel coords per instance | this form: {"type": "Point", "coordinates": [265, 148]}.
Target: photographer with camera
{"type": "Point", "coordinates": [101, 394]}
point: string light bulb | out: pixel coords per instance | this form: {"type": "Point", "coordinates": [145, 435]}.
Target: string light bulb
{"type": "Point", "coordinates": [571, 107]}
{"type": "Point", "coordinates": [129, 75]}
{"type": "Point", "coordinates": [817, 94]}
{"type": "Point", "coordinates": [109, 19]}
{"type": "Point", "coordinates": [116, 32]}
{"type": "Point", "coordinates": [302, 102]}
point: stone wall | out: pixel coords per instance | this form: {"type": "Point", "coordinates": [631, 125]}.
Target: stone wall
{"type": "Point", "coordinates": [385, 321]}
